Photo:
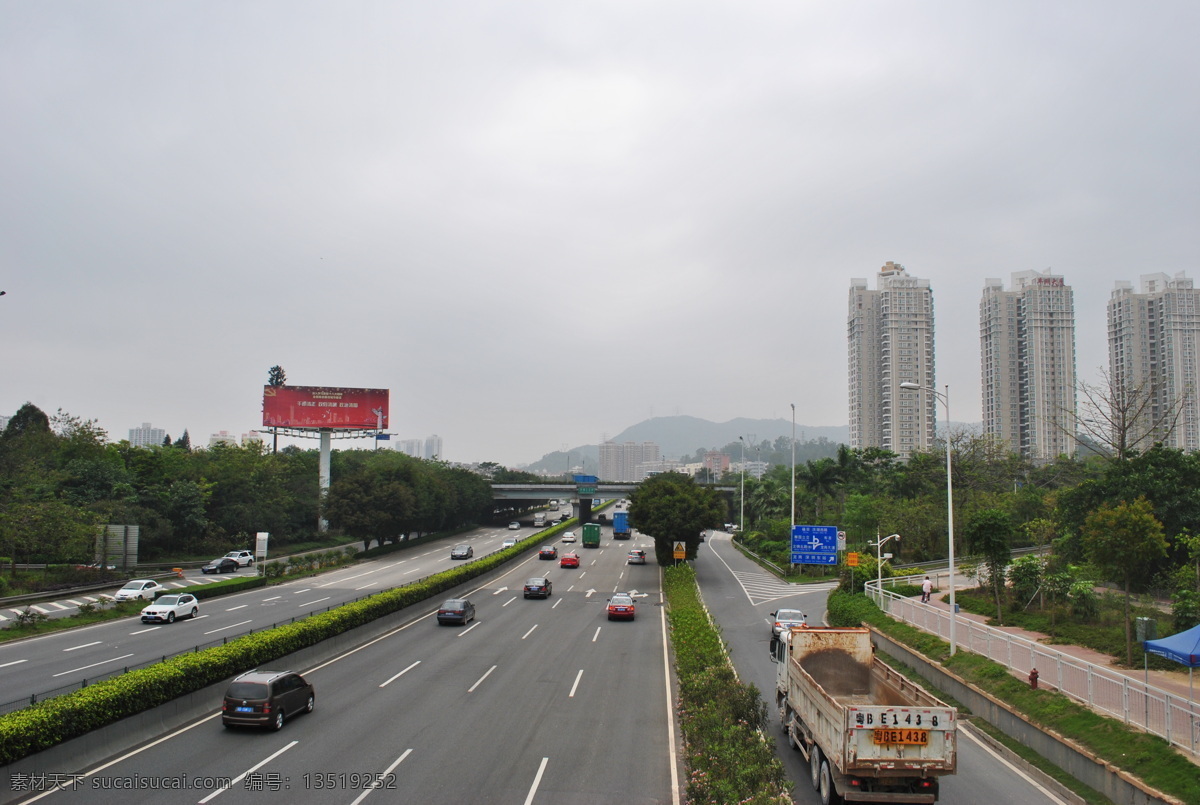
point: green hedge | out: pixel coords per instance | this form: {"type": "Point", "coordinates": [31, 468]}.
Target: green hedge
{"type": "Point", "coordinates": [62, 718]}
{"type": "Point", "coordinates": [728, 757]}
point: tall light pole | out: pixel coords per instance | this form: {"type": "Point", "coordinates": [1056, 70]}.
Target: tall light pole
{"type": "Point", "coordinates": [945, 398]}
{"type": "Point", "coordinates": [742, 505]}
{"type": "Point", "coordinates": [792, 522]}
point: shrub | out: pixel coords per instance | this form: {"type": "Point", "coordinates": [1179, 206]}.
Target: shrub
{"type": "Point", "coordinates": [1185, 609]}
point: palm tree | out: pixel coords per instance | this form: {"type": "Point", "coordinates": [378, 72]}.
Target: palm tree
{"type": "Point", "coordinates": [820, 477]}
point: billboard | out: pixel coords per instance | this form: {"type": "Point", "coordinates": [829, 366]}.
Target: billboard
{"type": "Point", "coordinates": [324, 407]}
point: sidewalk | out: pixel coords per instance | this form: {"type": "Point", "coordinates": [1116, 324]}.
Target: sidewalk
{"type": "Point", "coordinates": [1172, 682]}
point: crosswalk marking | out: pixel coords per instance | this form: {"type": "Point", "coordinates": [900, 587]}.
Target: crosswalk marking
{"type": "Point", "coordinates": [761, 587]}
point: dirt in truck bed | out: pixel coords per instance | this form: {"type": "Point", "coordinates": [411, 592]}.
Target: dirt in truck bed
{"type": "Point", "coordinates": [837, 672]}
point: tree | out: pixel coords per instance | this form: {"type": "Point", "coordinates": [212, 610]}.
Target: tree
{"type": "Point", "coordinates": [1123, 541]}
{"type": "Point", "coordinates": [672, 508]}
{"type": "Point", "coordinates": [819, 477]}
{"type": "Point", "coordinates": [276, 376]}
{"type": "Point", "coordinates": [184, 441]}
{"type": "Point", "coordinates": [988, 533]}
{"type": "Point", "coordinates": [1126, 415]}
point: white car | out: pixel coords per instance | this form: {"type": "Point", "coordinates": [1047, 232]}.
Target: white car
{"type": "Point", "coordinates": [144, 589]}
{"type": "Point", "coordinates": [169, 607]}
{"type": "Point", "coordinates": [509, 543]}
{"type": "Point", "coordinates": [244, 558]}
{"type": "Point", "coordinates": [514, 526]}
{"type": "Point", "coordinates": [568, 536]}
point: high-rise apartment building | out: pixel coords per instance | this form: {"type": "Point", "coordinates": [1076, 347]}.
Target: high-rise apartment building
{"type": "Point", "coordinates": [410, 447]}
{"type": "Point", "coordinates": [146, 436]}
{"type": "Point", "coordinates": [1153, 353]}
{"type": "Point", "coordinates": [890, 335]}
{"type": "Point", "coordinates": [433, 446]}
{"type": "Point", "coordinates": [620, 462]}
{"type": "Point", "coordinates": [1027, 359]}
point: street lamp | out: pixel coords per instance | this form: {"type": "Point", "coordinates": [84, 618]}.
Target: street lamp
{"type": "Point", "coordinates": [879, 543]}
{"type": "Point", "coordinates": [945, 398]}
{"type": "Point", "coordinates": [792, 522]}
{"type": "Point", "coordinates": [742, 504]}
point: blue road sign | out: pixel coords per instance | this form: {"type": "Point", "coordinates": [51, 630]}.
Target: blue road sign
{"type": "Point", "coordinates": [814, 544]}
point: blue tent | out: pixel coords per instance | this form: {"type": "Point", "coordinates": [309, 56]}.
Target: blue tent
{"type": "Point", "coordinates": [1183, 648]}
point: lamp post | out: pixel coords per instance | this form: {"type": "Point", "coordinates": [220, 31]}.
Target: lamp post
{"type": "Point", "coordinates": [792, 522]}
{"type": "Point", "coordinates": [742, 504]}
{"type": "Point", "coordinates": [879, 543]}
{"type": "Point", "coordinates": [945, 398]}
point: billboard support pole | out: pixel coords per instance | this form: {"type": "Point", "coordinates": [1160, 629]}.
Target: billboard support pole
{"type": "Point", "coordinates": [323, 471]}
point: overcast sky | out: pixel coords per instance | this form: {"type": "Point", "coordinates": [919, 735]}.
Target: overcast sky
{"type": "Point", "coordinates": [539, 223]}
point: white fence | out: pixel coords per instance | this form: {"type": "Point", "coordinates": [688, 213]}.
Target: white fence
{"type": "Point", "coordinates": [1167, 715]}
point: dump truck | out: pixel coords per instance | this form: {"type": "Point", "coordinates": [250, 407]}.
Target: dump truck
{"type": "Point", "coordinates": [869, 734]}
{"type": "Point", "coordinates": [621, 525]}
{"type": "Point", "coordinates": [591, 535]}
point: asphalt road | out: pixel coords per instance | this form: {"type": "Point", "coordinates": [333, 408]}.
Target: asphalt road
{"type": "Point", "coordinates": [741, 596]}
{"type": "Point", "coordinates": [537, 701]}
{"type": "Point", "coordinates": [60, 661]}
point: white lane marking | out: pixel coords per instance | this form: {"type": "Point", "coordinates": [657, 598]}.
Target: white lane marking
{"type": "Point", "coordinates": [385, 773]}
{"type": "Point", "coordinates": [83, 645]}
{"type": "Point", "coordinates": [93, 665]}
{"type": "Point", "coordinates": [73, 602]}
{"type": "Point", "coordinates": [509, 601]}
{"type": "Point", "coordinates": [143, 631]}
{"type": "Point", "coordinates": [230, 626]}
{"type": "Point", "coordinates": [272, 598]}
{"type": "Point", "coordinates": [239, 606]}
{"type": "Point", "coordinates": [479, 681]}
{"type": "Point", "coordinates": [584, 573]}
{"type": "Point", "coordinates": [319, 600]}
{"type": "Point", "coordinates": [527, 634]}
{"type": "Point", "coordinates": [60, 607]}
{"type": "Point", "coordinates": [402, 673]}
{"type": "Point", "coordinates": [469, 628]}
{"type": "Point", "coordinates": [556, 603]}
{"type": "Point", "coordinates": [662, 616]}
{"type": "Point", "coordinates": [597, 634]}
{"type": "Point", "coordinates": [537, 780]}
{"type": "Point", "coordinates": [250, 770]}
{"type": "Point", "coordinates": [578, 677]}
{"type": "Point", "coordinates": [365, 586]}
{"type": "Point", "coordinates": [1022, 774]}
{"type": "Point", "coordinates": [14, 662]}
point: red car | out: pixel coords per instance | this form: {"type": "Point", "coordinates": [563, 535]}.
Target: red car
{"type": "Point", "coordinates": [620, 606]}
{"type": "Point", "coordinates": [569, 560]}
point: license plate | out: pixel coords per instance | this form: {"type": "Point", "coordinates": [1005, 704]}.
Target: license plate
{"type": "Point", "coordinates": [251, 710]}
{"type": "Point", "coordinates": [916, 737]}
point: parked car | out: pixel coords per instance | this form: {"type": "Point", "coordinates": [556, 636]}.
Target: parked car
{"type": "Point", "coordinates": [170, 607]}
{"type": "Point", "coordinates": [538, 587]}
{"type": "Point", "coordinates": [549, 552]}
{"type": "Point", "coordinates": [636, 557]}
{"type": "Point", "coordinates": [462, 552]}
{"type": "Point", "coordinates": [568, 536]}
{"type": "Point", "coordinates": [514, 526]}
{"type": "Point", "coordinates": [143, 589]}
{"type": "Point", "coordinates": [621, 606]}
{"type": "Point", "coordinates": [266, 698]}
{"type": "Point", "coordinates": [456, 610]}
{"type": "Point", "coordinates": [569, 559]}
{"type": "Point", "coordinates": [244, 558]}
{"type": "Point", "coordinates": [786, 618]}
{"type": "Point", "coordinates": [508, 543]}
{"type": "Point", "coordinates": [223, 565]}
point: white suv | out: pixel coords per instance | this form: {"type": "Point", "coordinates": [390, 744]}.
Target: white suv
{"type": "Point", "coordinates": [244, 558]}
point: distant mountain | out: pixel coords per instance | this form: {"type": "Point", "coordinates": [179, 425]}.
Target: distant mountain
{"type": "Point", "coordinates": [683, 435]}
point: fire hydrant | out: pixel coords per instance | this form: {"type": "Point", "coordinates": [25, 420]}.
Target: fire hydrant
{"type": "Point", "coordinates": [1033, 677]}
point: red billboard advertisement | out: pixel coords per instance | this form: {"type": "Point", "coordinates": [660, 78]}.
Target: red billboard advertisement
{"type": "Point", "coordinates": [323, 407]}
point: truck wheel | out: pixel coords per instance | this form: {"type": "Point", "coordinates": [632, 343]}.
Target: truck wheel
{"type": "Point", "coordinates": [826, 791]}
{"type": "Point", "coordinates": [814, 766]}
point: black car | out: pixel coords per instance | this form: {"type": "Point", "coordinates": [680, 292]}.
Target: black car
{"type": "Point", "coordinates": [265, 699]}
{"type": "Point", "coordinates": [222, 565]}
{"type": "Point", "coordinates": [538, 587]}
{"type": "Point", "coordinates": [462, 552]}
{"type": "Point", "coordinates": [549, 552]}
{"type": "Point", "coordinates": [456, 610]}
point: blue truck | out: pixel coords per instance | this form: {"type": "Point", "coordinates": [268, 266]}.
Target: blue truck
{"type": "Point", "coordinates": [621, 525]}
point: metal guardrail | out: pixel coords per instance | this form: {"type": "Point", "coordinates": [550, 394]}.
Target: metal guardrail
{"type": "Point", "coordinates": [1169, 716]}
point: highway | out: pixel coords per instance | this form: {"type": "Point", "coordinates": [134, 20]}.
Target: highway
{"type": "Point", "coordinates": [62, 659]}
{"type": "Point", "coordinates": [537, 701]}
{"type": "Point", "coordinates": [741, 595]}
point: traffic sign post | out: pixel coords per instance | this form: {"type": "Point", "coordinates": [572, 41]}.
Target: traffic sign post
{"type": "Point", "coordinates": [814, 545]}
{"type": "Point", "coordinates": [680, 550]}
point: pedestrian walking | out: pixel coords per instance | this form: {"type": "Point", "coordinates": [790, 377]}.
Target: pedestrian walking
{"type": "Point", "coordinates": [926, 590]}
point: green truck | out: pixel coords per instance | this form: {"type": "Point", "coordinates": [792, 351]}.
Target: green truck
{"type": "Point", "coordinates": [591, 535]}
